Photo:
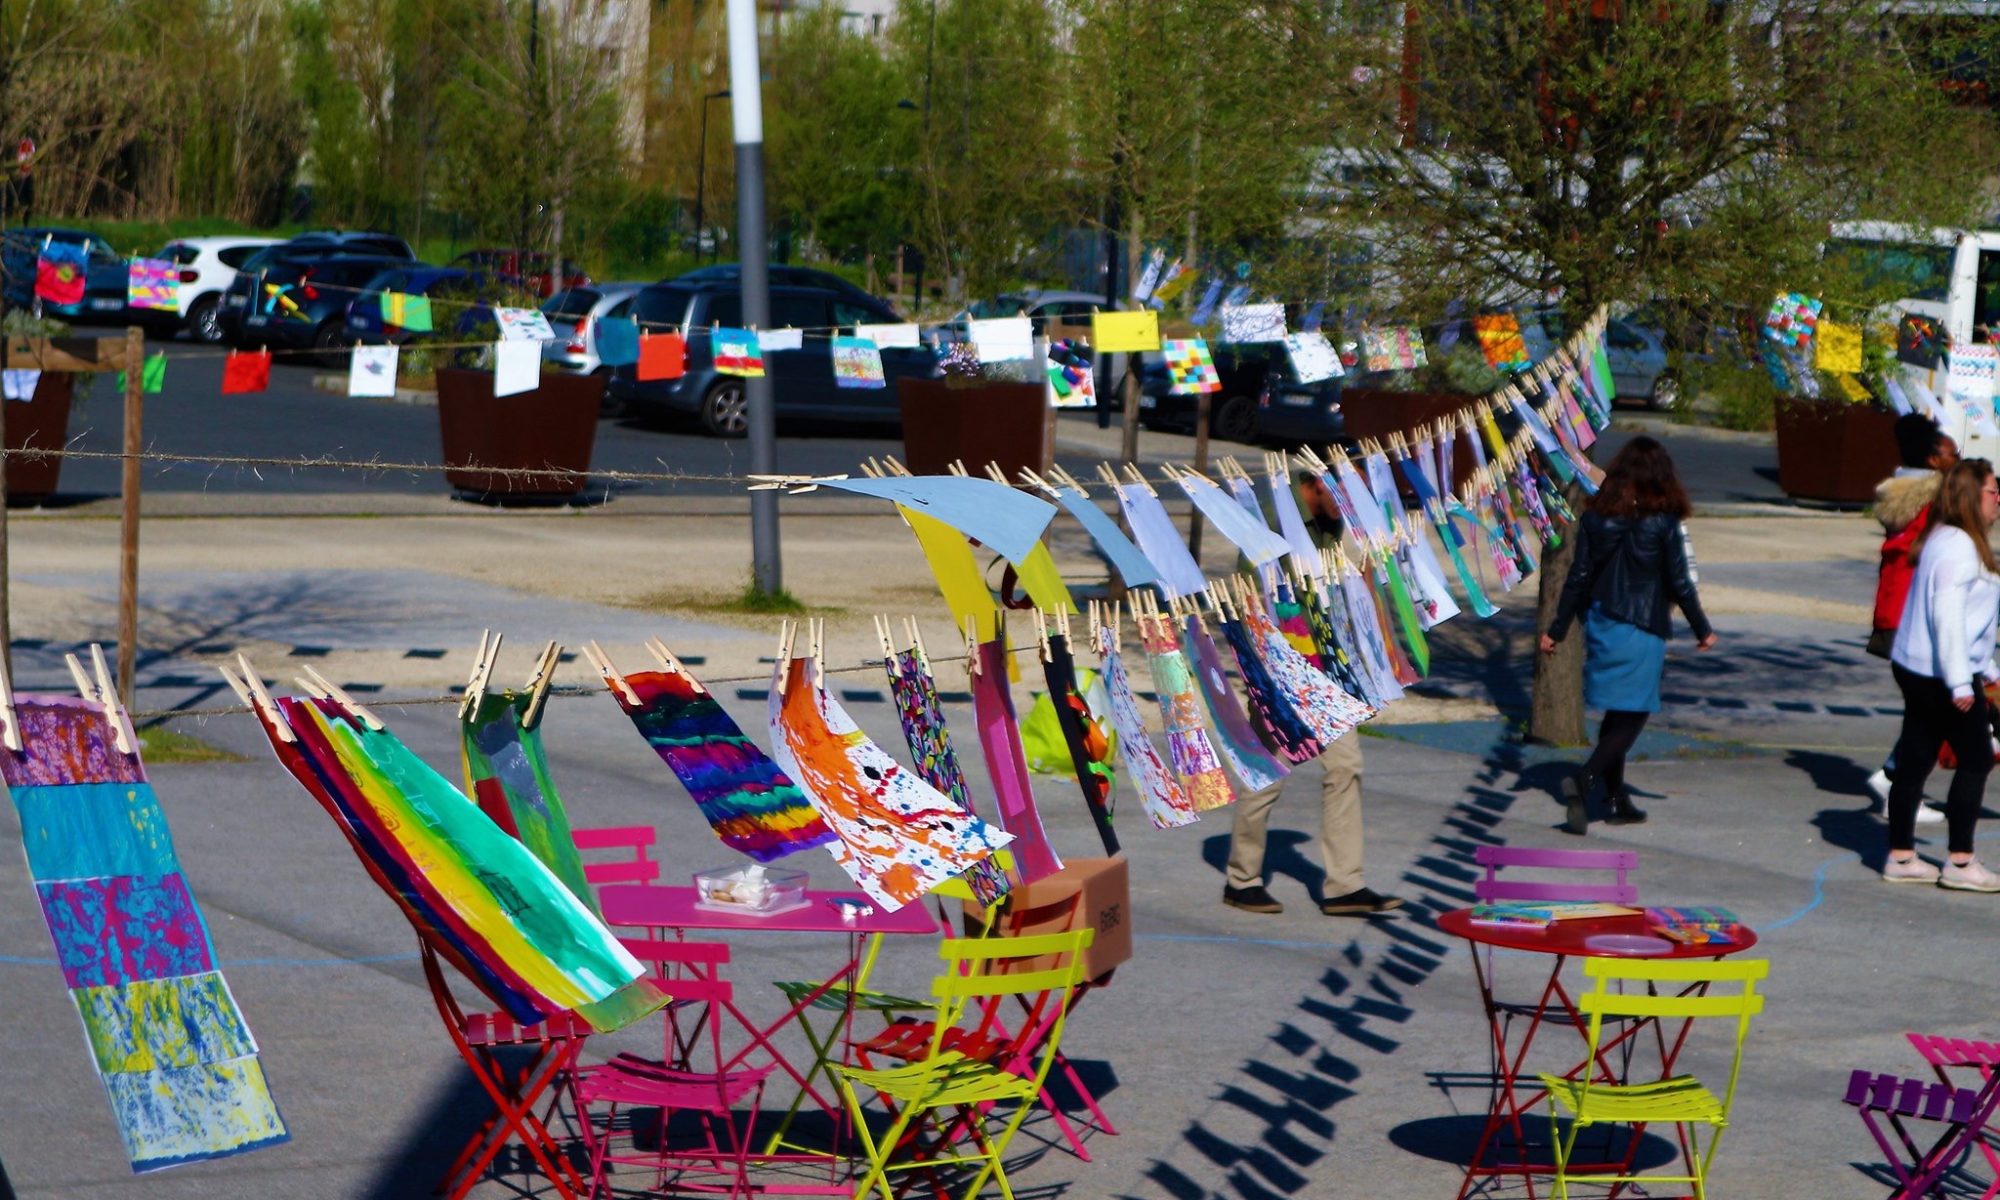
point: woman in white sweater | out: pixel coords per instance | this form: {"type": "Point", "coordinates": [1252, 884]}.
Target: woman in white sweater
{"type": "Point", "coordinates": [1942, 655]}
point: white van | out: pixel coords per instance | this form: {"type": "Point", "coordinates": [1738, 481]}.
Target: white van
{"type": "Point", "coordinates": [1949, 275]}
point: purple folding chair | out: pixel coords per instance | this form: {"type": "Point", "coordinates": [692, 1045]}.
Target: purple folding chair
{"type": "Point", "coordinates": [1946, 1054]}
{"type": "Point", "coordinates": [1617, 890]}
{"type": "Point", "coordinates": [1886, 1102]}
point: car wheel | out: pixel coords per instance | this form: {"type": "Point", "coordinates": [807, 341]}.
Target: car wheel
{"type": "Point", "coordinates": [329, 344]}
{"type": "Point", "coordinates": [204, 320]}
{"type": "Point", "coordinates": [1666, 392]}
{"type": "Point", "coordinates": [1235, 419]}
{"type": "Point", "coordinates": [725, 411]}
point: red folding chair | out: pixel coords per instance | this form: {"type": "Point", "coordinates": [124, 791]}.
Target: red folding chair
{"type": "Point", "coordinates": [480, 1037]}
{"type": "Point", "coordinates": [688, 973]}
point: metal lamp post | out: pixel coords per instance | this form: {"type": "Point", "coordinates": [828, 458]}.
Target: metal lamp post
{"type": "Point", "coordinates": [701, 172]}
{"type": "Point", "coordinates": [753, 249]}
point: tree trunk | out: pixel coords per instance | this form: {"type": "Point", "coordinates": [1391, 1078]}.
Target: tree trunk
{"type": "Point", "coordinates": [1556, 710]}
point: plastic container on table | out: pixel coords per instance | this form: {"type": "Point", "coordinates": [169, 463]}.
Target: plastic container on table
{"type": "Point", "coordinates": [752, 890]}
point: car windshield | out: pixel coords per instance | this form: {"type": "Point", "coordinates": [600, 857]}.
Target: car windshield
{"type": "Point", "coordinates": [571, 303]}
{"type": "Point", "coordinates": [1003, 306]}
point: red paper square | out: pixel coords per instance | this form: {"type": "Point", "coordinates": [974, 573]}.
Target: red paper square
{"type": "Point", "coordinates": [662, 356]}
{"type": "Point", "coordinates": [243, 373]}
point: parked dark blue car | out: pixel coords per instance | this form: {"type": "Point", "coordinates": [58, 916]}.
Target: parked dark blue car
{"type": "Point", "coordinates": [104, 278]}
{"type": "Point", "coordinates": [442, 284]}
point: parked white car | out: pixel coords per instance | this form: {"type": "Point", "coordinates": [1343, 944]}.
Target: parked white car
{"type": "Point", "coordinates": [208, 264]}
{"type": "Point", "coordinates": [574, 314]}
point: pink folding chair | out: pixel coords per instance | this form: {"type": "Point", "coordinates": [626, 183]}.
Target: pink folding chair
{"type": "Point", "coordinates": [1948, 1054]}
{"type": "Point", "coordinates": [636, 844]}
{"type": "Point", "coordinates": [686, 972]}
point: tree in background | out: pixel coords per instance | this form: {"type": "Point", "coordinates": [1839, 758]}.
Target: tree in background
{"type": "Point", "coordinates": [1592, 151]}
{"type": "Point", "coordinates": [840, 147]}
{"type": "Point", "coordinates": [991, 150]}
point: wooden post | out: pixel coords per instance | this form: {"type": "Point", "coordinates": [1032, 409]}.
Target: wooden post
{"type": "Point", "coordinates": [128, 517]}
{"type": "Point", "coordinates": [1201, 407]}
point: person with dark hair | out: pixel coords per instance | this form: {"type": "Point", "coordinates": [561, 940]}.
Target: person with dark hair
{"type": "Point", "coordinates": [1942, 653]}
{"type": "Point", "coordinates": [1903, 506]}
{"type": "Point", "coordinates": [1631, 562]}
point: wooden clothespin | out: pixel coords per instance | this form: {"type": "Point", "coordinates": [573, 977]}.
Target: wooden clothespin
{"type": "Point", "coordinates": [1313, 462]}
{"type": "Point", "coordinates": [998, 476]}
{"type": "Point", "coordinates": [971, 645]}
{"type": "Point", "coordinates": [1110, 478]}
{"type": "Point", "coordinates": [10, 725]}
{"type": "Point", "coordinates": [916, 633]}
{"type": "Point", "coordinates": [1065, 479]}
{"type": "Point", "coordinates": [250, 687]}
{"type": "Point", "coordinates": [347, 703]}
{"type": "Point", "coordinates": [816, 638]}
{"type": "Point", "coordinates": [482, 673]}
{"type": "Point", "coordinates": [957, 468]}
{"type": "Point", "coordinates": [1030, 479]}
{"type": "Point", "coordinates": [882, 637]}
{"type": "Point", "coordinates": [1111, 622]}
{"type": "Point", "coordinates": [613, 679]}
{"type": "Point", "coordinates": [1132, 470]}
{"type": "Point", "coordinates": [796, 483]}
{"type": "Point", "coordinates": [893, 466]}
{"type": "Point", "coordinates": [1042, 633]}
{"type": "Point", "coordinates": [871, 469]}
{"type": "Point", "coordinates": [540, 682]}
{"type": "Point", "coordinates": [102, 690]}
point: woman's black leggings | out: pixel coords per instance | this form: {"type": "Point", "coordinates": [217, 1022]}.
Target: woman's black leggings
{"type": "Point", "coordinates": [1615, 738]}
{"type": "Point", "coordinates": [1931, 720]}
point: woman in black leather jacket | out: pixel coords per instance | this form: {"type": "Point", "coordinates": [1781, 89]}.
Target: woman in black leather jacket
{"type": "Point", "coordinates": [1631, 564]}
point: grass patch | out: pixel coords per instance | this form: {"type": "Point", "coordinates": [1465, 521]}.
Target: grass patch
{"type": "Point", "coordinates": [749, 602]}
{"type": "Point", "coordinates": [158, 744]}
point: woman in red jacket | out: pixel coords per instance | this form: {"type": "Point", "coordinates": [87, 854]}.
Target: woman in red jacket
{"type": "Point", "coordinates": [1903, 506]}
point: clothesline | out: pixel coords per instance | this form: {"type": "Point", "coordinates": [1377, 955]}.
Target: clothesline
{"type": "Point", "coordinates": [566, 691]}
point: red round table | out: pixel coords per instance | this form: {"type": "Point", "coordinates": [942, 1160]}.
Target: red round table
{"type": "Point", "coordinates": [1561, 941]}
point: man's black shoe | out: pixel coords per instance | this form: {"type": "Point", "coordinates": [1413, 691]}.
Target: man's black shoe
{"type": "Point", "coordinates": [1364, 902]}
{"type": "Point", "coordinates": [1250, 899]}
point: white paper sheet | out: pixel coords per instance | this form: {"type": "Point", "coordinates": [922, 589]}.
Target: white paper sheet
{"type": "Point", "coordinates": [371, 372]}
{"type": "Point", "coordinates": [1002, 339]}
{"type": "Point", "coordinates": [517, 367]}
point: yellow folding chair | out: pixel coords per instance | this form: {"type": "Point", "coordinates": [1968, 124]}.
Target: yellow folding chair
{"type": "Point", "coordinates": [843, 999]}
{"type": "Point", "coordinates": [1679, 1100]}
{"type": "Point", "coordinates": [970, 1088]}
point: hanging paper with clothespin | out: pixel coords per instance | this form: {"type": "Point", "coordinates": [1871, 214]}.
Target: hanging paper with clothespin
{"type": "Point", "coordinates": [857, 363]}
{"type": "Point", "coordinates": [1247, 323]}
{"type": "Point", "coordinates": [371, 372]}
{"type": "Point", "coordinates": [662, 356]}
{"type": "Point", "coordinates": [523, 324]}
{"type": "Point", "coordinates": [736, 352]}
{"type": "Point", "coordinates": [1002, 339]}
{"type": "Point", "coordinates": [1179, 278]}
{"type": "Point", "coordinates": [774, 340]}
{"type": "Point", "coordinates": [153, 283]}
{"type": "Point", "coordinates": [1249, 534]}
{"type": "Point", "coordinates": [897, 334]}
{"type": "Point", "coordinates": [1124, 332]}
{"type": "Point", "coordinates": [616, 339]}
{"type": "Point", "coordinates": [517, 367]}
{"type": "Point", "coordinates": [407, 312]}
{"type": "Point", "coordinates": [1313, 357]}
{"type": "Point", "coordinates": [244, 373]}
{"type": "Point", "coordinates": [1190, 368]}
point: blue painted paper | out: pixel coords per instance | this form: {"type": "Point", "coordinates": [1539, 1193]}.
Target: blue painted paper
{"type": "Point", "coordinates": [90, 829]}
{"type": "Point", "coordinates": [1247, 533]}
{"type": "Point", "coordinates": [1131, 565]}
{"type": "Point", "coordinates": [617, 341]}
{"type": "Point", "coordinates": [1006, 519]}
{"type": "Point", "coordinates": [1180, 574]}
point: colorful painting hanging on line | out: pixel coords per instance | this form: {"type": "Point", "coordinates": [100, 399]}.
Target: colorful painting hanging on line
{"type": "Point", "coordinates": [898, 836]}
{"type": "Point", "coordinates": [507, 775]}
{"type": "Point", "coordinates": [1400, 348]}
{"type": "Point", "coordinates": [1792, 319]}
{"type": "Point", "coordinates": [1500, 340]}
{"type": "Point", "coordinates": [1071, 381]}
{"type": "Point", "coordinates": [857, 363]}
{"type": "Point", "coordinates": [1160, 794]}
{"type": "Point", "coordinates": [60, 272]}
{"type": "Point", "coordinates": [737, 352]}
{"type": "Point", "coordinates": [750, 803]}
{"type": "Point", "coordinates": [173, 1051]}
{"type": "Point", "coordinates": [1190, 366]}
{"type": "Point", "coordinates": [153, 283]}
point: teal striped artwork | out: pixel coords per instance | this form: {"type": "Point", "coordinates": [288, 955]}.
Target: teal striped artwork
{"type": "Point", "coordinates": [176, 1057]}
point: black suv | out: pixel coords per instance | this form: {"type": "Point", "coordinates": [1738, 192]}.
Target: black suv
{"type": "Point", "coordinates": [236, 300]}
{"type": "Point", "coordinates": [802, 380]}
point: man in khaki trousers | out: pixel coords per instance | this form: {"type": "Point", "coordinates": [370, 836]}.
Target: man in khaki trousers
{"type": "Point", "coordinates": [1340, 847]}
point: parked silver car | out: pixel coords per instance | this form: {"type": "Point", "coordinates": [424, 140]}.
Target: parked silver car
{"type": "Point", "coordinates": [575, 313]}
{"type": "Point", "coordinates": [1639, 370]}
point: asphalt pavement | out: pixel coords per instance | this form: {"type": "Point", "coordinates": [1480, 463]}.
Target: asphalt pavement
{"type": "Point", "coordinates": [1240, 1057]}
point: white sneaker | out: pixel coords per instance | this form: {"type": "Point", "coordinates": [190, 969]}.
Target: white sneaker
{"type": "Point", "coordinates": [1878, 787]}
{"type": "Point", "coordinates": [1913, 870]}
{"type": "Point", "coordinates": [1972, 877]}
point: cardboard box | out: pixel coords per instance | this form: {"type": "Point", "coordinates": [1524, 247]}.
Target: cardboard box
{"type": "Point", "coordinates": [1096, 892]}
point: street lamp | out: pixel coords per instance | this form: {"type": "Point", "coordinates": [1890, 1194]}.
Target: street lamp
{"type": "Point", "coordinates": [701, 170]}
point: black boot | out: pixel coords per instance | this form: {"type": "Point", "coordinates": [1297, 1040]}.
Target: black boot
{"type": "Point", "coordinates": [1623, 811]}
{"type": "Point", "coordinates": [1576, 799]}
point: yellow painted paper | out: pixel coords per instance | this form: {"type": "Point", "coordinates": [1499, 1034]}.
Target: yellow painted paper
{"type": "Point", "coordinates": [957, 571]}
{"type": "Point", "coordinates": [1043, 583]}
{"type": "Point", "coordinates": [1112, 332]}
{"type": "Point", "coordinates": [1491, 428]}
{"type": "Point", "coordinates": [1851, 386]}
{"type": "Point", "coordinates": [1838, 348]}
